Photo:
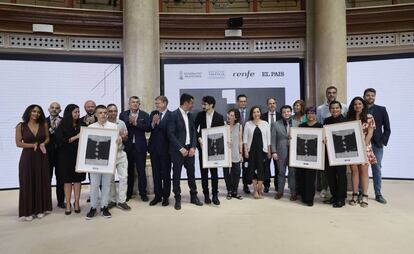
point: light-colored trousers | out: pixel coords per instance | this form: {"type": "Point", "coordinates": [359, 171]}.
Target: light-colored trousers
{"type": "Point", "coordinates": [96, 180]}
{"type": "Point", "coordinates": [122, 171]}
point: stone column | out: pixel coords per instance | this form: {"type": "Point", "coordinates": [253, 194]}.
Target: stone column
{"type": "Point", "coordinates": [330, 51]}
{"type": "Point", "coordinates": [141, 52]}
{"type": "Point", "coordinates": [142, 58]}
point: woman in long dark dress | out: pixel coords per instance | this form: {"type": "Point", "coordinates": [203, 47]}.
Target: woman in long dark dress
{"type": "Point", "coordinates": [305, 178]}
{"type": "Point", "coordinates": [67, 136]}
{"type": "Point", "coordinates": [256, 140]}
{"type": "Point", "coordinates": [35, 198]}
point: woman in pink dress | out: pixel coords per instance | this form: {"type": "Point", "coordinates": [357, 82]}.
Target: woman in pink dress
{"type": "Point", "coordinates": [358, 110]}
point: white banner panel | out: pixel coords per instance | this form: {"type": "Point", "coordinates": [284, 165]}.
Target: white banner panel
{"type": "Point", "coordinates": [41, 82]}
{"type": "Point", "coordinates": [393, 80]}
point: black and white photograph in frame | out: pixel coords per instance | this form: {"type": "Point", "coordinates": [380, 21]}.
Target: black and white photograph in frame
{"type": "Point", "coordinates": [345, 143]}
{"type": "Point", "coordinates": [306, 148]}
{"type": "Point", "coordinates": [216, 151]}
{"type": "Point", "coordinates": [97, 150]}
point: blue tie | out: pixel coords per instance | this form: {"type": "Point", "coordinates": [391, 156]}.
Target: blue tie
{"type": "Point", "coordinates": [160, 116]}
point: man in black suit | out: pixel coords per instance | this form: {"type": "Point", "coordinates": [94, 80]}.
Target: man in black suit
{"type": "Point", "coordinates": [379, 139]}
{"type": "Point", "coordinates": [137, 122]}
{"type": "Point", "coordinates": [244, 117]}
{"type": "Point", "coordinates": [183, 141]}
{"type": "Point", "coordinates": [158, 146]}
{"type": "Point", "coordinates": [53, 121]}
{"type": "Point", "coordinates": [90, 117]}
{"type": "Point", "coordinates": [208, 118]}
{"type": "Point", "coordinates": [271, 116]}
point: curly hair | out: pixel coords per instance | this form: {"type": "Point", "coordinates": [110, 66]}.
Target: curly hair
{"type": "Point", "coordinates": [28, 111]}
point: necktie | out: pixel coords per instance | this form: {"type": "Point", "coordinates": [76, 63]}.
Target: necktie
{"type": "Point", "coordinates": [242, 117]}
{"type": "Point", "coordinates": [54, 123]}
{"type": "Point", "coordinates": [272, 120]}
{"type": "Point", "coordinates": [160, 116]}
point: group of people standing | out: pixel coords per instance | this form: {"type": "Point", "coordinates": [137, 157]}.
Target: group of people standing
{"type": "Point", "coordinates": [257, 139]}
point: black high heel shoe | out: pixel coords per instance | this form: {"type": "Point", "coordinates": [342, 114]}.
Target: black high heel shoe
{"type": "Point", "coordinates": [77, 210]}
{"type": "Point", "coordinates": [70, 210]}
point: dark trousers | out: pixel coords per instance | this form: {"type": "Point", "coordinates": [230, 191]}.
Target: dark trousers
{"type": "Point", "coordinates": [178, 162]}
{"type": "Point", "coordinates": [136, 160]}
{"type": "Point", "coordinates": [305, 184]}
{"type": "Point", "coordinates": [204, 177]}
{"type": "Point", "coordinates": [268, 173]}
{"type": "Point", "coordinates": [60, 193]}
{"type": "Point", "coordinates": [232, 177]}
{"type": "Point", "coordinates": [337, 182]}
{"type": "Point", "coordinates": [161, 173]}
{"type": "Point", "coordinates": [245, 172]}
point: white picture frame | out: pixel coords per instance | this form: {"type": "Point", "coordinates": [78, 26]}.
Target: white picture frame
{"type": "Point", "coordinates": [216, 151]}
{"type": "Point", "coordinates": [345, 143]}
{"type": "Point", "coordinates": [306, 148]}
{"type": "Point", "coordinates": [97, 150]}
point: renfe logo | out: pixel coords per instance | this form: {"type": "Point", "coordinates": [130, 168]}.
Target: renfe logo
{"type": "Point", "coordinates": [246, 75]}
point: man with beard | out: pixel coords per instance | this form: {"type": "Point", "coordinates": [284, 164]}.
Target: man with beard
{"type": "Point", "coordinates": [379, 139]}
{"type": "Point", "coordinates": [53, 121]}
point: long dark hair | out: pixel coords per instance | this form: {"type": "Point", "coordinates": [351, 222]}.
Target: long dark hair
{"type": "Point", "coordinates": [67, 121]}
{"type": "Point", "coordinates": [28, 111]}
{"type": "Point", "coordinates": [351, 111]}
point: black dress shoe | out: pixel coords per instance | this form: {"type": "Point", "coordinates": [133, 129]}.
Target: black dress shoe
{"type": "Point", "coordinates": [246, 189]}
{"type": "Point", "coordinates": [329, 201]}
{"type": "Point", "coordinates": [177, 205]}
{"type": "Point", "coordinates": [128, 198]}
{"type": "Point", "coordinates": [196, 201]}
{"type": "Point", "coordinates": [144, 198]}
{"type": "Point", "coordinates": [207, 199]}
{"type": "Point", "coordinates": [216, 201]}
{"type": "Point", "coordinates": [338, 204]}
{"type": "Point", "coordinates": [266, 190]}
{"type": "Point", "coordinates": [154, 201]}
{"type": "Point", "coordinates": [62, 205]}
{"type": "Point", "coordinates": [165, 202]}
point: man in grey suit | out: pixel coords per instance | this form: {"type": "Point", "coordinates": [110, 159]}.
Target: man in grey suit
{"type": "Point", "coordinates": [280, 151]}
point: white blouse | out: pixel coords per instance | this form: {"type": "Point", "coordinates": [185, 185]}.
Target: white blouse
{"type": "Point", "coordinates": [249, 130]}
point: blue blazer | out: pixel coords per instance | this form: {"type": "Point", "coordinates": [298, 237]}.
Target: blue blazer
{"type": "Point", "coordinates": [159, 142]}
{"type": "Point", "coordinates": [177, 131]}
{"type": "Point", "coordinates": [143, 125]}
{"type": "Point", "coordinates": [382, 131]}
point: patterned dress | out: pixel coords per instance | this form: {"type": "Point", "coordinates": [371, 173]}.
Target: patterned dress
{"type": "Point", "coordinates": [370, 123]}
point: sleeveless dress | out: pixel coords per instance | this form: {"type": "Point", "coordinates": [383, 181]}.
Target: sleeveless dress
{"type": "Point", "coordinates": [34, 176]}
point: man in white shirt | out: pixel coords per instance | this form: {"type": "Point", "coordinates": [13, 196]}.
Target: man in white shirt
{"type": "Point", "coordinates": [118, 197]}
{"type": "Point", "coordinates": [97, 178]}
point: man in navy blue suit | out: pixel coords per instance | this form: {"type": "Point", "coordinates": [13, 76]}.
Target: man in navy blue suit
{"type": "Point", "coordinates": [158, 146]}
{"type": "Point", "coordinates": [379, 139]}
{"type": "Point", "coordinates": [183, 140]}
{"type": "Point", "coordinates": [137, 122]}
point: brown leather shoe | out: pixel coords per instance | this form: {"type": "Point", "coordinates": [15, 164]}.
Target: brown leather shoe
{"type": "Point", "coordinates": [279, 195]}
{"type": "Point", "coordinates": [293, 197]}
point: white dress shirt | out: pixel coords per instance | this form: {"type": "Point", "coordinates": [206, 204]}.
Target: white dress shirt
{"type": "Point", "coordinates": [187, 126]}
